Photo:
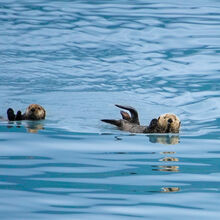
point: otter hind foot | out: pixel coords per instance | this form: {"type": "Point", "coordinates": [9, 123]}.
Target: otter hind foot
{"type": "Point", "coordinates": [125, 116]}
{"type": "Point", "coordinates": [134, 114]}
{"type": "Point", "coordinates": [11, 114]}
{"type": "Point", "coordinates": [112, 121]}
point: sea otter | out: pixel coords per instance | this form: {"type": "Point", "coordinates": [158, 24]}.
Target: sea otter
{"type": "Point", "coordinates": [166, 123]}
{"type": "Point", "coordinates": [33, 112]}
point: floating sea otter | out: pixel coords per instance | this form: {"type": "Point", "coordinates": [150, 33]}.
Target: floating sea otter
{"type": "Point", "coordinates": [166, 123]}
{"type": "Point", "coordinates": [33, 112]}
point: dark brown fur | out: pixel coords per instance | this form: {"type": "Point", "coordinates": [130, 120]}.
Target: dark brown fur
{"type": "Point", "coordinates": [33, 112]}
{"type": "Point", "coordinates": [166, 123]}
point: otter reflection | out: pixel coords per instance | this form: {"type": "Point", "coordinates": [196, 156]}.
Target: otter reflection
{"type": "Point", "coordinates": [168, 159]}
{"type": "Point", "coordinates": [155, 138]}
{"type": "Point", "coordinates": [170, 189]}
{"type": "Point", "coordinates": [34, 126]}
{"type": "Point", "coordinates": [168, 165]}
{"type": "Point", "coordinates": [167, 168]}
{"type": "Point", "coordinates": [31, 126]}
{"type": "Point", "coordinates": [164, 139]}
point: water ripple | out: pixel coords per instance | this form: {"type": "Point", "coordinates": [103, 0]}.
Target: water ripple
{"type": "Point", "coordinates": [78, 59]}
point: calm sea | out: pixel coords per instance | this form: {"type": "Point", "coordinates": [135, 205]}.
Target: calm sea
{"type": "Point", "coordinates": [79, 58]}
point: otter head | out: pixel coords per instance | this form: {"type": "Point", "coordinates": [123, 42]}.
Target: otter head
{"type": "Point", "coordinates": [169, 123]}
{"type": "Point", "coordinates": [35, 112]}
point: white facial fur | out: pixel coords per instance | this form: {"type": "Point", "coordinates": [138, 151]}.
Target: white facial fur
{"type": "Point", "coordinates": [35, 112]}
{"type": "Point", "coordinates": [169, 123]}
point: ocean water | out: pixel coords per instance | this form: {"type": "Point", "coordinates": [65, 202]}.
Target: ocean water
{"type": "Point", "coordinates": [79, 58]}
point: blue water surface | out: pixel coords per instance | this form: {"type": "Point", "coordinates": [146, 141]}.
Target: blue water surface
{"type": "Point", "coordinates": [79, 58]}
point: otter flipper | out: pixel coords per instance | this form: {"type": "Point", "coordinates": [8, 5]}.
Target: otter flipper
{"type": "Point", "coordinates": [134, 114]}
{"type": "Point", "coordinates": [112, 121]}
{"type": "Point", "coordinates": [11, 114]}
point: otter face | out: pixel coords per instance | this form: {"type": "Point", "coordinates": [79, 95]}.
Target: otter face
{"type": "Point", "coordinates": [35, 112]}
{"type": "Point", "coordinates": [169, 123]}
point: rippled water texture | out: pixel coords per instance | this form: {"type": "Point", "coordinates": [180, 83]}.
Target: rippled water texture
{"type": "Point", "coordinates": [78, 59]}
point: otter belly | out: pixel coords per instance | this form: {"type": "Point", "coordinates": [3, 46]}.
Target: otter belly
{"type": "Point", "coordinates": [131, 127]}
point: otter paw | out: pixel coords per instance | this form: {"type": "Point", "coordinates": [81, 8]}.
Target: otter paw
{"type": "Point", "coordinates": [11, 114]}
{"type": "Point", "coordinates": [18, 116]}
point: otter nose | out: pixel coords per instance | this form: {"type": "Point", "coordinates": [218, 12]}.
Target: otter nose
{"type": "Point", "coordinates": [170, 120]}
{"type": "Point", "coordinates": [33, 109]}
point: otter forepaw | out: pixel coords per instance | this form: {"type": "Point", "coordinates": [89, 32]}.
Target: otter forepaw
{"type": "Point", "coordinates": [18, 116]}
